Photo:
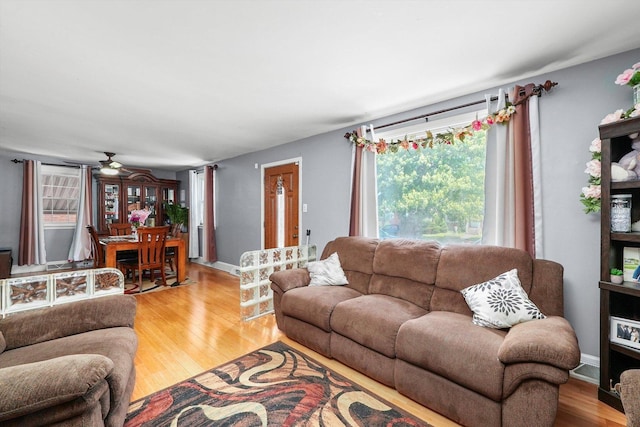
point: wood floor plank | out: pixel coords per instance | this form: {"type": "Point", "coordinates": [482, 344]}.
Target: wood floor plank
{"type": "Point", "coordinates": [186, 330]}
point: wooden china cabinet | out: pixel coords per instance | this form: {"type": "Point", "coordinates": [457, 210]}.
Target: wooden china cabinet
{"type": "Point", "coordinates": [619, 303]}
{"type": "Point", "coordinates": [118, 195]}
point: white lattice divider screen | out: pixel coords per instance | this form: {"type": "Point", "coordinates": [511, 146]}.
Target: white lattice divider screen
{"type": "Point", "coordinates": [256, 296]}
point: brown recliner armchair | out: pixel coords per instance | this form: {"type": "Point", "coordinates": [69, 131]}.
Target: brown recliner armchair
{"type": "Point", "coordinates": [630, 396]}
{"type": "Point", "coordinates": [68, 365]}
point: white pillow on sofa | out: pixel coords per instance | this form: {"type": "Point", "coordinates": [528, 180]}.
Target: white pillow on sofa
{"type": "Point", "coordinates": [327, 272]}
{"type": "Point", "coordinates": [500, 302]}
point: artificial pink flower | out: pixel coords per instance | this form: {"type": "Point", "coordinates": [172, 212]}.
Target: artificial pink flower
{"type": "Point", "coordinates": [592, 191]}
{"type": "Point", "coordinates": [596, 146]}
{"type": "Point", "coordinates": [624, 78]}
{"type": "Point", "coordinates": [476, 124]}
{"type": "Point", "coordinates": [636, 66]}
{"type": "Point", "coordinates": [502, 116]}
{"type": "Point", "coordinates": [139, 215]}
{"type": "Point", "coordinates": [405, 144]}
{"type": "Point", "coordinates": [613, 117]}
{"type": "Point", "coordinates": [415, 145]}
{"type": "Point", "coordinates": [490, 120]}
{"type": "Point", "coordinates": [381, 146]}
{"type": "Point", "coordinates": [593, 168]}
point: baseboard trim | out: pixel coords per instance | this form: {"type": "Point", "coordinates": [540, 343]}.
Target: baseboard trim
{"type": "Point", "coordinates": [219, 265]}
{"type": "Point", "coordinates": [588, 359]}
{"type": "Point", "coordinates": [588, 370]}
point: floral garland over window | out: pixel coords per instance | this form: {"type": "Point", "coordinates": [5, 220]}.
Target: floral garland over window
{"type": "Point", "coordinates": [590, 196]}
{"type": "Point", "coordinates": [381, 147]}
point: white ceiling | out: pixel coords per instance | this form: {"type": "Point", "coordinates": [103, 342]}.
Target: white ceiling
{"type": "Point", "coordinates": [174, 84]}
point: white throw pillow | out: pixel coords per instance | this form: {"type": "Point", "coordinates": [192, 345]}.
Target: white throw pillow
{"type": "Point", "coordinates": [500, 302]}
{"type": "Point", "coordinates": [327, 272]}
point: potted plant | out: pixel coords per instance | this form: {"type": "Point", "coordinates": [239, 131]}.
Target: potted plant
{"type": "Point", "coordinates": [616, 276]}
{"type": "Point", "coordinates": [178, 215]}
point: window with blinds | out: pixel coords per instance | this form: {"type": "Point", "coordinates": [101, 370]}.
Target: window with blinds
{"type": "Point", "coordinates": [60, 195]}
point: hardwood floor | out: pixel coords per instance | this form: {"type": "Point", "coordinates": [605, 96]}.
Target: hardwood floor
{"type": "Point", "coordinates": [187, 330]}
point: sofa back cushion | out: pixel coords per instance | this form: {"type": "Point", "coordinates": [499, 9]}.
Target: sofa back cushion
{"type": "Point", "coordinates": [405, 269]}
{"type": "Point", "coordinates": [461, 266]}
{"type": "Point", "coordinates": [356, 259]}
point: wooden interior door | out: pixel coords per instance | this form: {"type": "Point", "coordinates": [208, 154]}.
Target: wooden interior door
{"type": "Point", "coordinates": [281, 206]}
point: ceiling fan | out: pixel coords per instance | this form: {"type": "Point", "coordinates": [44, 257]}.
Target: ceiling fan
{"type": "Point", "coordinates": [110, 166]}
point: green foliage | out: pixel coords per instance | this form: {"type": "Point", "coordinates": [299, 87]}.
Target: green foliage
{"type": "Point", "coordinates": [176, 213]}
{"type": "Point", "coordinates": [616, 272]}
{"type": "Point", "coordinates": [591, 205]}
{"type": "Point", "coordinates": [429, 190]}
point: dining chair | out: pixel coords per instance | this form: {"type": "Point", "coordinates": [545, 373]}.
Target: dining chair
{"type": "Point", "coordinates": [120, 229]}
{"type": "Point", "coordinates": [170, 253]}
{"type": "Point", "coordinates": [151, 254]}
{"type": "Point", "coordinates": [96, 248]}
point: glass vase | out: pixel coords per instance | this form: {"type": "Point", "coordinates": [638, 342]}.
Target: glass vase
{"type": "Point", "coordinates": [636, 94]}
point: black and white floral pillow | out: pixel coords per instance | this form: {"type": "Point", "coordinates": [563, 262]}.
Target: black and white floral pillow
{"type": "Point", "coordinates": [500, 302]}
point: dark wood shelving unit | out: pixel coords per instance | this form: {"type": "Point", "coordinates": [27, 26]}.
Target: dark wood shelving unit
{"type": "Point", "coordinates": [619, 300]}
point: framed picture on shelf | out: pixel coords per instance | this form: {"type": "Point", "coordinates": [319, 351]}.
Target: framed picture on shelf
{"type": "Point", "coordinates": [631, 264]}
{"type": "Point", "coordinates": [625, 332]}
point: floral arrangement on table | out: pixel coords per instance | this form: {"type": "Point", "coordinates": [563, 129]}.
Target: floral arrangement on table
{"type": "Point", "coordinates": [590, 196]}
{"type": "Point", "coordinates": [139, 216]}
{"type": "Point", "coordinates": [381, 147]}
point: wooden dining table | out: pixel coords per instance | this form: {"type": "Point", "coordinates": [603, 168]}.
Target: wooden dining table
{"type": "Point", "coordinates": [114, 244]}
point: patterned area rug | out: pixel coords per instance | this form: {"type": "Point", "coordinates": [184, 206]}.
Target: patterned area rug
{"type": "Point", "coordinates": [132, 287]}
{"type": "Point", "coordinates": [273, 386]}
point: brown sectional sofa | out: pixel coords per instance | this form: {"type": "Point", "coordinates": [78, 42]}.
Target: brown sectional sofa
{"type": "Point", "coordinates": [68, 365]}
{"type": "Point", "coordinates": [403, 321]}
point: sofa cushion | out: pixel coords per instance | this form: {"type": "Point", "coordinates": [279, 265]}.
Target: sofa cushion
{"type": "Point", "coordinates": [327, 272]}
{"type": "Point", "coordinates": [315, 304]}
{"type": "Point", "coordinates": [118, 344]}
{"type": "Point", "coordinates": [449, 345]}
{"type": "Point", "coordinates": [500, 302]}
{"type": "Point", "coordinates": [356, 257]}
{"type": "Point", "coordinates": [416, 260]}
{"type": "Point", "coordinates": [23, 390]}
{"type": "Point", "coordinates": [461, 266]}
{"type": "Point", "coordinates": [373, 320]}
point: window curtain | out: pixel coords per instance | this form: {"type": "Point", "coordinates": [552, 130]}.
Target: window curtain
{"type": "Point", "coordinates": [512, 176]}
{"type": "Point", "coordinates": [81, 243]}
{"type": "Point", "coordinates": [31, 246]}
{"type": "Point", "coordinates": [364, 191]}
{"type": "Point", "coordinates": [209, 232]}
{"type": "Point", "coordinates": [194, 207]}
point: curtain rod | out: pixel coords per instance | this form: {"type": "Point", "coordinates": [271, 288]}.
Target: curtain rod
{"type": "Point", "coordinates": [16, 161]}
{"type": "Point", "coordinates": [537, 90]}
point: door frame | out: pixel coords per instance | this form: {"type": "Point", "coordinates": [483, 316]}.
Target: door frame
{"type": "Point", "coordinates": [264, 166]}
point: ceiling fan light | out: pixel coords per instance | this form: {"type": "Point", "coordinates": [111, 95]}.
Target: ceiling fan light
{"type": "Point", "coordinates": [108, 170]}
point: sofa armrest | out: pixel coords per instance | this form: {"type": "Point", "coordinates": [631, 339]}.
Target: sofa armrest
{"type": "Point", "coordinates": [31, 387]}
{"type": "Point", "coordinates": [286, 280]}
{"type": "Point", "coordinates": [33, 326]}
{"type": "Point", "coordinates": [551, 341]}
{"type": "Point", "coordinates": [630, 395]}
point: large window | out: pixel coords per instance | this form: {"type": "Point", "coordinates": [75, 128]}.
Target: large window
{"type": "Point", "coordinates": [60, 194]}
{"type": "Point", "coordinates": [433, 194]}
